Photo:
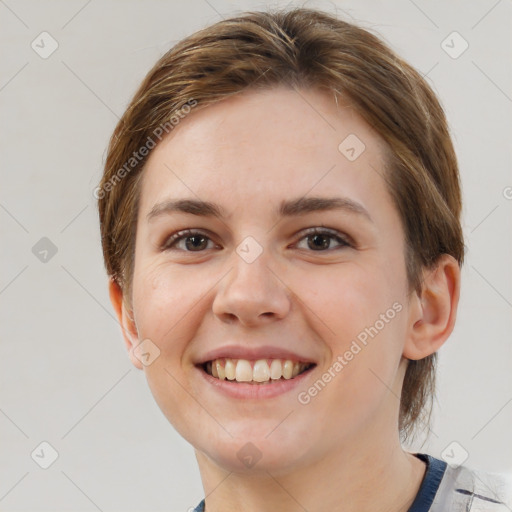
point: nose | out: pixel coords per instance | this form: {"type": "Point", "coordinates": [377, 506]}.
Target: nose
{"type": "Point", "coordinates": [252, 294]}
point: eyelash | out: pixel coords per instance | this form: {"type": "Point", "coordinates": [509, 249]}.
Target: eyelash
{"type": "Point", "coordinates": [189, 233]}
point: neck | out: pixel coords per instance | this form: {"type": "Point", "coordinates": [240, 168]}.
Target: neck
{"type": "Point", "coordinates": [360, 477]}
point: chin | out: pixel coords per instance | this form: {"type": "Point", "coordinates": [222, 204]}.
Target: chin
{"type": "Point", "coordinates": [256, 453]}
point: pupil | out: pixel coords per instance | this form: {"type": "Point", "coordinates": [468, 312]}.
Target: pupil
{"type": "Point", "coordinates": [323, 245]}
{"type": "Point", "coordinates": [194, 245]}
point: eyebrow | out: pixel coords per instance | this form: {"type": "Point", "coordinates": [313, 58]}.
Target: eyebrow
{"type": "Point", "coordinates": [289, 208]}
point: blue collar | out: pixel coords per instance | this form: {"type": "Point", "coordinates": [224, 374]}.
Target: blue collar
{"type": "Point", "coordinates": [428, 489]}
{"type": "Point", "coordinates": [430, 484]}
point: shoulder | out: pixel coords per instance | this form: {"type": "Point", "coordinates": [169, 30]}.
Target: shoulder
{"type": "Point", "coordinates": [466, 489]}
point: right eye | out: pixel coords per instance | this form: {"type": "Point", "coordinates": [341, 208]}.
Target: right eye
{"type": "Point", "coordinates": [194, 241]}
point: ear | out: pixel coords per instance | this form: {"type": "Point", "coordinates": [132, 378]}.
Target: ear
{"type": "Point", "coordinates": [432, 316]}
{"type": "Point", "coordinates": [125, 317]}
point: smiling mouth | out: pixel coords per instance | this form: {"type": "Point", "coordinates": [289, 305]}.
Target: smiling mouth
{"type": "Point", "coordinates": [261, 371]}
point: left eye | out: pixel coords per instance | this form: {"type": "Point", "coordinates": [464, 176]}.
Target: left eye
{"type": "Point", "coordinates": [195, 241]}
{"type": "Point", "coordinates": [319, 239]}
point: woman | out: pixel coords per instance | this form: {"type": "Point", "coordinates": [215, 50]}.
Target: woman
{"type": "Point", "coordinates": [280, 223]}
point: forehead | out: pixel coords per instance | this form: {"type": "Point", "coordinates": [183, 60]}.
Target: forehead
{"type": "Point", "coordinates": [266, 145]}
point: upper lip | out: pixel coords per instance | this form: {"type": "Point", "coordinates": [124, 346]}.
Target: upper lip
{"type": "Point", "coordinates": [253, 353]}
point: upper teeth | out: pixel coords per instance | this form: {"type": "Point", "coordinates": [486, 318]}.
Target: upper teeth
{"type": "Point", "coordinates": [243, 370]}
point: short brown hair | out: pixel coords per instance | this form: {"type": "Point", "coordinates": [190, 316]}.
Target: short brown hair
{"type": "Point", "coordinates": [309, 49]}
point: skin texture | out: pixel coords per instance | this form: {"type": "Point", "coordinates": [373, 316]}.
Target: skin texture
{"type": "Point", "coordinates": [341, 451]}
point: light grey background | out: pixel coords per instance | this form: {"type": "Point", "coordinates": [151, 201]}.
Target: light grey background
{"type": "Point", "coordinates": [65, 375]}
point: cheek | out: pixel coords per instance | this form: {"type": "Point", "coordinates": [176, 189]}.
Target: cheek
{"type": "Point", "coordinates": [165, 304]}
{"type": "Point", "coordinates": [362, 377]}
{"type": "Point", "coordinates": [166, 308]}
{"type": "Point", "coordinates": [349, 298]}
{"type": "Point", "coordinates": [365, 320]}
{"type": "Point", "coordinates": [371, 317]}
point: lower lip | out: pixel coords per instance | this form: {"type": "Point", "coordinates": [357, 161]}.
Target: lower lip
{"type": "Point", "coordinates": [246, 391]}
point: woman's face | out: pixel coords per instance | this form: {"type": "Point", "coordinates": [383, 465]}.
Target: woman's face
{"type": "Point", "coordinates": [253, 284]}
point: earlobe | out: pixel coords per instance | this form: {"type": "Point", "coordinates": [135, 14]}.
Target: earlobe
{"type": "Point", "coordinates": [432, 316]}
{"type": "Point", "coordinates": [125, 318]}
